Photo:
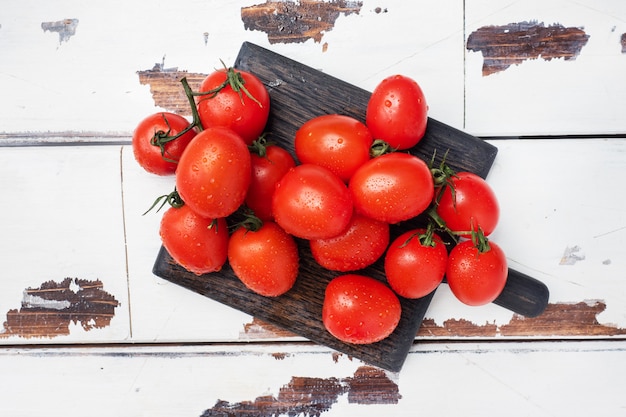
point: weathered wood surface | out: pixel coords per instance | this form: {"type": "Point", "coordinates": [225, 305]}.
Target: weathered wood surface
{"type": "Point", "coordinates": [561, 71]}
{"type": "Point", "coordinates": [77, 253]}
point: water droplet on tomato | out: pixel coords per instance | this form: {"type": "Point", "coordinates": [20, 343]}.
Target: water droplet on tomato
{"type": "Point", "coordinates": [387, 103]}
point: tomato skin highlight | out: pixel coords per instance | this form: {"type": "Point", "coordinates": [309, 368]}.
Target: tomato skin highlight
{"type": "Point", "coordinates": [476, 278]}
{"type": "Point", "coordinates": [337, 142]}
{"type": "Point", "coordinates": [392, 187]}
{"type": "Point", "coordinates": [310, 202]}
{"type": "Point", "coordinates": [228, 109]}
{"type": "Point", "coordinates": [214, 173]}
{"type": "Point", "coordinates": [267, 171]}
{"type": "Point", "coordinates": [265, 260]}
{"type": "Point", "coordinates": [359, 246]}
{"type": "Point", "coordinates": [359, 309]}
{"type": "Point", "coordinates": [397, 112]}
{"type": "Point", "coordinates": [414, 270]}
{"type": "Point", "coordinates": [198, 244]}
{"type": "Point", "coordinates": [149, 156]}
{"type": "Point", "coordinates": [474, 205]}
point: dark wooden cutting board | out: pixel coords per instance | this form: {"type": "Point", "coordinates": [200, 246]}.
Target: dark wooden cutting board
{"type": "Point", "coordinates": [299, 93]}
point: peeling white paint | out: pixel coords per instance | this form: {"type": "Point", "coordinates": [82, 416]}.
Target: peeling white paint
{"type": "Point", "coordinates": [572, 255]}
{"type": "Point", "coordinates": [34, 301]}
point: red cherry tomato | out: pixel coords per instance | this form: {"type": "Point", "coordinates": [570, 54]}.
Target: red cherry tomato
{"type": "Point", "coordinates": [397, 112]}
{"type": "Point", "coordinates": [198, 244]}
{"type": "Point", "coordinates": [150, 132]}
{"type": "Point", "coordinates": [359, 309]}
{"type": "Point", "coordinates": [267, 170]}
{"type": "Point", "coordinates": [337, 142]}
{"type": "Point", "coordinates": [475, 277]}
{"type": "Point", "coordinates": [392, 187]}
{"type": "Point", "coordinates": [311, 202]}
{"type": "Point", "coordinates": [265, 260]}
{"type": "Point", "coordinates": [473, 205]}
{"type": "Point", "coordinates": [363, 242]}
{"type": "Point", "coordinates": [213, 174]}
{"type": "Point", "coordinates": [240, 102]}
{"type": "Point", "coordinates": [415, 269]}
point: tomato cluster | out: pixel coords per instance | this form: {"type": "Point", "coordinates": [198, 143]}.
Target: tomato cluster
{"type": "Point", "coordinates": [347, 184]}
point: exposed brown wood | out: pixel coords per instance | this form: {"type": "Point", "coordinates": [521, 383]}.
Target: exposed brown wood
{"type": "Point", "coordinates": [313, 396]}
{"type": "Point", "coordinates": [48, 310]}
{"type": "Point", "coordinates": [514, 43]}
{"type": "Point", "coordinates": [559, 319]}
{"type": "Point", "coordinates": [166, 88]}
{"type": "Point", "coordinates": [576, 319]}
{"type": "Point", "coordinates": [296, 22]}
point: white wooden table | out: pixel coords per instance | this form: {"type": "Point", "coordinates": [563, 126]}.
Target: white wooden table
{"type": "Point", "coordinates": [117, 340]}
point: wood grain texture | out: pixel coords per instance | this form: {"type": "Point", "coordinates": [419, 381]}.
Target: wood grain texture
{"type": "Point", "coordinates": [296, 22]}
{"type": "Point", "coordinates": [514, 43]}
{"type": "Point", "coordinates": [48, 310]}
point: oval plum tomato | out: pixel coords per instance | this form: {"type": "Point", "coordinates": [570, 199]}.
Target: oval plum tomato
{"type": "Point", "coordinates": [473, 205]}
{"type": "Point", "coordinates": [392, 187]}
{"type": "Point", "coordinates": [337, 142]}
{"type": "Point", "coordinates": [415, 263]}
{"type": "Point", "coordinates": [266, 260]}
{"type": "Point", "coordinates": [154, 147]}
{"type": "Point", "coordinates": [213, 174]}
{"type": "Point", "coordinates": [269, 166]}
{"type": "Point", "coordinates": [363, 242]}
{"type": "Point", "coordinates": [234, 99]}
{"type": "Point", "coordinates": [476, 277]}
{"type": "Point", "coordinates": [198, 244]}
{"type": "Point", "coordinates": [310, 202]}
{"type": "Point", "coordinates": [359, 309]}
{"type": "Point", "coordinates": [397, 112]}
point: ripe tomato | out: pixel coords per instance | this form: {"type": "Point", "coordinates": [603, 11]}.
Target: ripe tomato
{"type": "Point", "coordinates": [311, 202]}
{"type": "Point", "coordinates": [363, 242]}
{"type": "Point", "coordinates": [150, 152]}
{"type": "Point", "coordinates": [475, 277]}
{"type": "Point", "coordinates": [359, 309]}
{"type": "Point", "coordinates": [473, 205]}
{"type": "Point", "coordinates": [413, 268]}
{"type": "Point", "coordinates": [265, 260]}
{"type": "Point", "coordinates": [337, 142]}
{"type": "Point", "coordinates": [198, 244]}
{"type": "Point", "coordinates": [267, 170]}
{"type": "Point", "coordinates": [392, 187]}
{"type": "Point", "coordinates": [397, 112]}
{"type": "Point", "coordinates": [213, 174]}
{"type": "Point", "coordinates": [237, 100]}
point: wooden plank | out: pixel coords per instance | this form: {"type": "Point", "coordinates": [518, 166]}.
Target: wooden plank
{"type": "Point", "coordinates": [538, 379]}
{"type": "Point", "coordinates": [64, 265]}
{"type": "Point", "coordinates": [299, 93]}
{"type": "Point", "coordinates": [545, 67]}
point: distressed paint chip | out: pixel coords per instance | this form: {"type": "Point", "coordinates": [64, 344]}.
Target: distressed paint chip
{"type": "Point", "coordinates": [48, 310]}
{"type": "Point", "coordinates": [623, 42]}
{"type": "Point", "coordinates": [313, 396]}
{"type": "Point", "coordinates": [296, 21]}
{"type": "Point", "coordinates": [514, 43]}
{"type": "Point", "coordinates": [166, 88]}
{"type": "Point", "coordinates": [571, 255]}
{"type": "Point", "coordinates": [66, 28]}
{"type": "Point", "coordinates": [558, 319]}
